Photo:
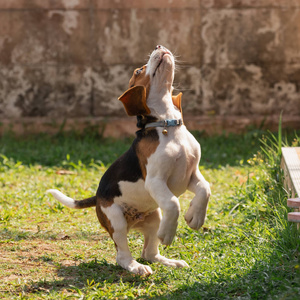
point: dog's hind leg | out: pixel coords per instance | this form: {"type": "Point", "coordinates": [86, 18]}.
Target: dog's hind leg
{"type": "Point", "coordinates": [149, 227]}
{"type": "Point", "coordinates": [113, 220]}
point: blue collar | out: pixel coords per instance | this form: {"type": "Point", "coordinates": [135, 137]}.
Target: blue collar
{"type": "Point", "coordinates": [165, 123]}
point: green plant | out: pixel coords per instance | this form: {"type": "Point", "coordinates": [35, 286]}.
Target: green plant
{"type": "Point", "coordinates": [246, 249]}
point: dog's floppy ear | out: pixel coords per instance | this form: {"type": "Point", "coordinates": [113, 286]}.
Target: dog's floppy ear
{"type": "Point", "coordinates": [177, 101]}
{"type": "Point", "coordinates": [134, 101]}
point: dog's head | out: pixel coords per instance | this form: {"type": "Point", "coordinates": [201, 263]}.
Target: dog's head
{"type": "Point", "coordinates": [160, 68]}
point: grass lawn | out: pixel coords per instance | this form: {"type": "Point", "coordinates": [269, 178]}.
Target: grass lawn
{"type": "Point", "coordinates": [246, 249]}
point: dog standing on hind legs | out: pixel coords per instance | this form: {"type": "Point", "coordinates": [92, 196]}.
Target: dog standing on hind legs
{"type": "Point", "coordinates": [161, 164]}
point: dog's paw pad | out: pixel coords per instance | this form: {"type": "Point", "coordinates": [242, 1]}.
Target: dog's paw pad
{"type": "Point", "coordinates": [139, 269]}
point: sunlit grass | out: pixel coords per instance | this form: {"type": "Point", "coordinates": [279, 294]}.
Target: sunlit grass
{"type": "Point", "coordinates": [246, 249]}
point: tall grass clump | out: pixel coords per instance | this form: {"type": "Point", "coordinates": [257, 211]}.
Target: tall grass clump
{"type": "Point", "coordinates": [263, 202]}
{"type": "Point", "coordinates": [275, 189]}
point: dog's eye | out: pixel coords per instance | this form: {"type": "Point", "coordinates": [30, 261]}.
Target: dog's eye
{"type": "Point", "coordinates": [139, 71]}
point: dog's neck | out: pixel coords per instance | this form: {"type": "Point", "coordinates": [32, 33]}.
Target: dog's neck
{"type": "Point", "coordinates": [161, 105]}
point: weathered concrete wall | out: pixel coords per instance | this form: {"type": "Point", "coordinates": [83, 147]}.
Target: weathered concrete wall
{"type": "Point", "coordinates": [73, 58]}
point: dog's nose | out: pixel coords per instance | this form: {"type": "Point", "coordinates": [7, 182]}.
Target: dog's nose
{"type": "Point", "coordinates": [158, 47]}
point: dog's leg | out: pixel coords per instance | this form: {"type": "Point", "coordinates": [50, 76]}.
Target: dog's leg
{"type": "Point", "coordinates": [118, 232]}
{"type": "Point", "coordinates": [169, 203]}
{"type": "Point", "coordinates": [196, 213]}
{"type": "Point", "coordinates": [149, 228]}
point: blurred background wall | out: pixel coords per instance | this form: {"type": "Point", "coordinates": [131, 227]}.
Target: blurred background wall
{"type": "Point", "coordinates": [238, 60]}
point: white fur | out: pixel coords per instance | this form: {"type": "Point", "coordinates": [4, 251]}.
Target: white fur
{"type": "Point", "coordinates": [173, 168]}
{"type": "Point", "coordinates": [69, 202]}
{"type": "Point", "coordinates": [135, 195]}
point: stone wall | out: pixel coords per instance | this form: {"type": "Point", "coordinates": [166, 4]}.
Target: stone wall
{"type": "Point", "coordinates": [71, 59]}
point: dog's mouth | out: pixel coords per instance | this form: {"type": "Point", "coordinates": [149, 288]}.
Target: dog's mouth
{"type": "Point", "coordinates": [160, 62]}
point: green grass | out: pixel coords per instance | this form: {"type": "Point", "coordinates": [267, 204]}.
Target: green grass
{"type": "Point", "coordinates": [246, 249]}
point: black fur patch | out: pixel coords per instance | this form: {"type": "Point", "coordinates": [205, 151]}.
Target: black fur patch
{"type": "Point", "coordinates": [143, 120]}
{"type": "Point", "coordinates": [125, 168]}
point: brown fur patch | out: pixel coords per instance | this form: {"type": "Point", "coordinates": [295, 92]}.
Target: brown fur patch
{"type": "Point", "coordinates": [132, 215]}
{"type": "Point", "coordinates": [104, 221]}
{"type": "Point", "coordinates": [140, 79]}
{"type": "Point", "coordinates": [145, 148]}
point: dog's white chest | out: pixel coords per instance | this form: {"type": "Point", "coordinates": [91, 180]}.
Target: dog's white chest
{"type": "Point", "coordinates": [176, 158]}
{"type": "Point", "coordinates": [135, 198]}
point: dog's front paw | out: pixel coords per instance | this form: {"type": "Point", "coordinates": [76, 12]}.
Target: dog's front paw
{"type": "Point", "coordinates": [166, 233]}
{"type": "Point", "coordinates": [194, 218]}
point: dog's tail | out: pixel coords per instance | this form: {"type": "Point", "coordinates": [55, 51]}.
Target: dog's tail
{"type": "Point", "coordinates": [89, 202]}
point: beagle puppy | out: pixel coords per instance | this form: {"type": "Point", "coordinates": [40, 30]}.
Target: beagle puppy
{"type": "Point", "coordinates": [140, 189]}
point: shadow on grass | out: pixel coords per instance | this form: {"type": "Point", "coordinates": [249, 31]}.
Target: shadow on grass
{"type": "Point", "coordinates": [52, 151]}
{"type": "Point", "coordinates": [86, 274]}
{"type": "Point", "coordinates": [8, 235]}
{"type": "Point", "coordinates": [271, 279]}
{"type": "Point", "coordinates": [277, 276]}
{"type": "Point", "coordinates": [266, 280]}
